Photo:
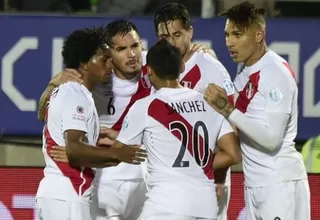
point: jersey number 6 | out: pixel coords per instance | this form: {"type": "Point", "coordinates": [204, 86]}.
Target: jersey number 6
{"type": "Point", "coordinates": [110, 108]}
{"type": "Point", "coordinates": [196, 144]}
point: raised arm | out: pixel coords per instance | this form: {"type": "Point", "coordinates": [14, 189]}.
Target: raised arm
{"type": "Point", "coordinates": [60, 78]}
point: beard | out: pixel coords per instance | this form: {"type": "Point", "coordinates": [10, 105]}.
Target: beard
{"type": "Point", "coordinates": [122, 71]}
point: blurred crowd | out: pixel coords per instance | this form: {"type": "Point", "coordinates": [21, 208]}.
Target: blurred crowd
{"type": "Point", "coordinates": [204, 8]}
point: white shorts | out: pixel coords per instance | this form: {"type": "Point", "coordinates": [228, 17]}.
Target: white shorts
{"type": "Point", "coordinates": [282, 201]}
{"type": "Point", "coordinates": [157, 213]}
{"type": "Point", "coordinates": [124, 198]}
{"type": "Point", "coordinates": [223, 204]}
{"type": "Point", "coordinates": [52, 209]}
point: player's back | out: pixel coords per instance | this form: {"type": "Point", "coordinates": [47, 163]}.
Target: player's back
{"type": "Point", "coordinates": [201, 70]}
{"type": "Point", "coordinates": [180, 137]}
{"type": "Point", "coordinates": [70, 107]}
{"type": "Point", "coordinates": [269, 82]}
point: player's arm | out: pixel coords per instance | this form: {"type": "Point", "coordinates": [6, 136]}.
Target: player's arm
{"type": "Point", "coordinates": [278, 96]}
{"type": "Point", "coordinates": [62, 77]}
{"type": "Point", "coordinates": [216, 73]}
{"type": "Point", "coordinates": [80, 153]}
{"type": "Point", "coordinates": [133, 126]}
{"type": "Point", "coordinates": [44, 100]}
{"type": "Point", "coordinates": [74, 125]}
{"type": "Point", "coordinates": [229, 152]}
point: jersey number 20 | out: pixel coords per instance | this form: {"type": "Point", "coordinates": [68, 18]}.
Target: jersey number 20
{"type": "Point", "coordinates": [192, 143]}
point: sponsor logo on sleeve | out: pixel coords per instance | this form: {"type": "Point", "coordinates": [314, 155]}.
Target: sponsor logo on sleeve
{"type": "Point", "coordinates": [125, 123]}
{"type": "Point", "coordinates": [79, 114]}
{"type": "Point", "coordinates": [228, 86]}
{"type": "Point", "coordinates": [275, 95]}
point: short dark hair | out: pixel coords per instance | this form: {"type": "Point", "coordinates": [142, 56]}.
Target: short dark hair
{"type": "Point", "coordinates": [119, 27]}
{"type": "Point", "coordinates": [81, 45]}
{"type": "Point", "coordinates": [245, 14]}
{"type": "Point", "coordinates": [170, 12]}
{"type": "Point", "coordinates": [165, 60]}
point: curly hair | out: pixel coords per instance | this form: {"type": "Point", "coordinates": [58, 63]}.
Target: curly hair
{"type": "Point", "coordinates": [81, 45]}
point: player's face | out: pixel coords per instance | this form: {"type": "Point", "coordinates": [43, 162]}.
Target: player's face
{"type": "Point", "coordinates": [241, 43]}
{"type": "Point", "coordinates": [126, 54]}
{"type": "Point", "coordinates": [99, 67]}
{"type": "Point", "coordinates": [176, 34]}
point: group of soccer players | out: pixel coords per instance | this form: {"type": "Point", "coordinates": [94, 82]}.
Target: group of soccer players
{"type": "Point", "coordinates": [151, 135]}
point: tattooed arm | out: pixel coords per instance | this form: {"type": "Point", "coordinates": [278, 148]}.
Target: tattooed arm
{"type": "Point", "coordinates": [267, 136]}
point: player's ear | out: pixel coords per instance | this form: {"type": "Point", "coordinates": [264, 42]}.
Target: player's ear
{"type": "Point", "coordinates": [260, 35]}
{"type": "Point", "coordinates": [149, 71]}
{"type": "Point", "coordinates": [183, 66]}
{"type": "Point", "coordinates": [191, 32]}
{"type": "Point", "coordinates": [84, 66]}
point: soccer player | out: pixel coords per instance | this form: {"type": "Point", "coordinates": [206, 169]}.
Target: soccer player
{"type": "Point", "coordinates": [172, 22]}
{"type": "Point", "coordinates": [72, 121]}
{"type": "Point", "coordinates": [265, 113]}
{"type": "Point", "coordinates": [180, 132]}
{"type": "Point", "coordinates": [119, 191]}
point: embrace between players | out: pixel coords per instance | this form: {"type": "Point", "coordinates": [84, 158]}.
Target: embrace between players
{"type": "Point", "coordinates": [151, 135]}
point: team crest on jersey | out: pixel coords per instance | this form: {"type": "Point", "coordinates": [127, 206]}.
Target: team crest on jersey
{"type": "Point", "coordinates": [249, 90]}
{"type": "Point", "coordinates": [186, 84]}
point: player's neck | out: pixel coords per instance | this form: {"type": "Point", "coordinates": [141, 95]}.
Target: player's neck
{"type": "Point", "coordinates": [171, 84]}
{"type": "Point", "coordinates": [188, 54]}
{"type": "Point", "coordinates": [90, 86]}
{"type": "Point", "coordinates": [86, 81]}
{"type": "Point", "coordinates": [123, 76]}
{"type": "Point", "coordinates": [257, 55]}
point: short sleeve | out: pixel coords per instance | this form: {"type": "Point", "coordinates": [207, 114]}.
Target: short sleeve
{"type": "Point", "coordinates": [133, 125]}
{"type": "Point", "coordinates": [278, 93]}
{"type": "Point", "coordinates": [75, 112]}
{"type": "Point", "coordinates": [225, 128]}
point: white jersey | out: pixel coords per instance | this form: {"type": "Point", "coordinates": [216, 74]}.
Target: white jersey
{"type": "Point", "coordinates": [201, 70]}
{"type": "Point", "coordinates": [113, 101]}
{"type": "Point", "coordinates": [259, 86]}
{"type": "Point", "coordinates": [71, 107]}
{"type": "Point", "coordinates": [179, 130]}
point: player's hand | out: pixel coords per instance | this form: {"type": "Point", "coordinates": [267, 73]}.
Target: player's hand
{"type": "Point", "coordinates": [202, 48]}
{"type": "Point", "coordinates": [59, 154]}
{"type": "Point", "coordinates": [132, 155]}
{"type": "Point", "coordinates": [219, 190]}
{"type": "Point", "coordinates": [66, 75]}
{"type": "Point", "coordinates": [109, 133]}
{"type": "Point", "coordinates": [105, 141]}
{"type": "Point", "coordinates": [217, 98]}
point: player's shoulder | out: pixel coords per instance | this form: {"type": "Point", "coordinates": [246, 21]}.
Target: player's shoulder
{"type": "Point", "coordinates": [142, 104]}
{"type": "Point", "coordinates": [209, 65]}
{"type": "Point", "coordinates": [204, 58]}
{"type": "Point", "coordinates": [74, 90]}
{"type": "Point", "coordinates": [276, 69]}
